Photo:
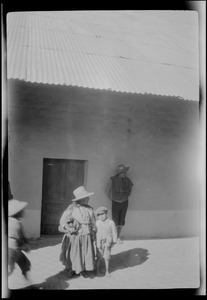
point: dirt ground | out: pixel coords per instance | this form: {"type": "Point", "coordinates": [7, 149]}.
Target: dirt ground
{"type": "Point", "coordinates": [138, 264]}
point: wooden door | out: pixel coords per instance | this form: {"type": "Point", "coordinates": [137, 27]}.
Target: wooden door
{"type": "Point", "coordinates": [60, 178]}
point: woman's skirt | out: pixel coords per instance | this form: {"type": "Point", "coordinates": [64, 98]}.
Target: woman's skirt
{"type": "Point", "coordinates": [65, 252]}
{"type": "Point", "coordinates": [82, 253]}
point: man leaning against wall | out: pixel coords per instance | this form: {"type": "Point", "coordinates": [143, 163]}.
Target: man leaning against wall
{"type": "Point", "coordinates": [119, 189]}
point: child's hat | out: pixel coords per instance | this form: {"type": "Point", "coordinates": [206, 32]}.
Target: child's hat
{"type": "Point", "coordinates": [101, 210]}
{"type": "Point", "coordinates": [15, 206]}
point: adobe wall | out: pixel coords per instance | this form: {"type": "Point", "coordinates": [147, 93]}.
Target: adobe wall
{"type": "Point", "coordinates": [156, 136]}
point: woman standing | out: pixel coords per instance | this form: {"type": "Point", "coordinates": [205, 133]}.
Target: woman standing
{"type": "Point", "coordinates": [78, 223]}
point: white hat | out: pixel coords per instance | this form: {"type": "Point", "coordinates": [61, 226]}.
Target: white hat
{"type": "Point", "coordinates": [81, 193]}
{"type": "Point", "coordinates": [16, 206]}
{"type": "Point", "coordinates": [122, 169]}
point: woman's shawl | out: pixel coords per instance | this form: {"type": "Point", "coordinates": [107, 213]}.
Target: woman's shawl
{"type": "Point", "coordinates": [83, 214]}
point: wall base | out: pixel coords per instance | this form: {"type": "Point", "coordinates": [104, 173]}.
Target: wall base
{"type": "Point", "coordinates": [139, 224]}
{"type": "Point", "coordinates": [161, 224]}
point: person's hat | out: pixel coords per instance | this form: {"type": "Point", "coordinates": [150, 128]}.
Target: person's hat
{"type": "Point", "coordinates": [16, 206]}
{"type": "Point", "coordinates": [122, 169]}
{"type": "Point", "coordinates": [81, 193]}
{"type": "Point", "coordinates": [101, 210]}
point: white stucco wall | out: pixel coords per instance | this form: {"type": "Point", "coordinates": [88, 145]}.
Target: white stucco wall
{"type": "Point", "coordinates": [139, 224]}
{"type": "Point", "coordinates": [161, 224]}
{"type": "Point", "coordinates": [155, 136]}
{"type": "Point", "coordinates": [31, 223]}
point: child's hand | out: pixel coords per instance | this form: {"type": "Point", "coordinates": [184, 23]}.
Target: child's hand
{"type": "Point", "coordinates": [101, 251]}
{"type": "Point", "coordinates": [108, 244]}
{"type": "Point", "coordinates": [25, 248]}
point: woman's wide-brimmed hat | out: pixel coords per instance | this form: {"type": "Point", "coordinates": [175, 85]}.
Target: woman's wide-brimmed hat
{"type": "Point", "coordinates": [122, 169]}
{"type": "Point", "coordinates": [81, 193]}
{"type": "Point", "coordinates": [16, 206]}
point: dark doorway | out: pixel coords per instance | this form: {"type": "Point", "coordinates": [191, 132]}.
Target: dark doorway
{"type": "Point", "coordinates": [60, 178]}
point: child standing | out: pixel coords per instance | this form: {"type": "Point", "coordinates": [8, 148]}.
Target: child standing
{"type": "Point", "coordinates": [106, 236]}
{"type": "Point", "coordinates": [16, 239]}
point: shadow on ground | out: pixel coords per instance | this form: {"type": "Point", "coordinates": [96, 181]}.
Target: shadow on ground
{"type": "Point", "coordinates": [129, 258]}
{"type": "Point", "coordinates": [55, 282]}
{"type": "Point", "coordinates": [45, 241]}
{"type": "Point", "coordinates": [122, 260]}
{"type": "Point", "coordinates": [58, 281]}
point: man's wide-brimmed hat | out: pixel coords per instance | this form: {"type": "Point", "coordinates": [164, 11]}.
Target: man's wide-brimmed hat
{"type": "Point", "coordinates": [101, 210]}
{"type": "Point", "coordinates": [81, 193]}
{"type": "Point", "coordinates": [122, 169]}
{"type": "Point", "coordinates": [15, 206]}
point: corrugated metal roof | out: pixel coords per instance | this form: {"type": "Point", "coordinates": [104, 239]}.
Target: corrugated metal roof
{"type": "Point", "coordinates": [128, 51]}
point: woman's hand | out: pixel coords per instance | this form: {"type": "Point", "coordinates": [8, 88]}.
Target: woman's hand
{"type": "Point", "coordinates": [62, 229]}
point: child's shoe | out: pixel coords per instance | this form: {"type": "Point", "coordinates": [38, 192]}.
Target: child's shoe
{"type": "Point", "coordinates": [119, 241]}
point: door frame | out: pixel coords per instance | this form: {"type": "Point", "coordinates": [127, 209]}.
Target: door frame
{"type": "Point", "coordinates": [85, 172]}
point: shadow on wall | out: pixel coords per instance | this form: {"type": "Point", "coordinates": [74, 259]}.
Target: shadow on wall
{"type": "Point", "coordinates": [129, 258]}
